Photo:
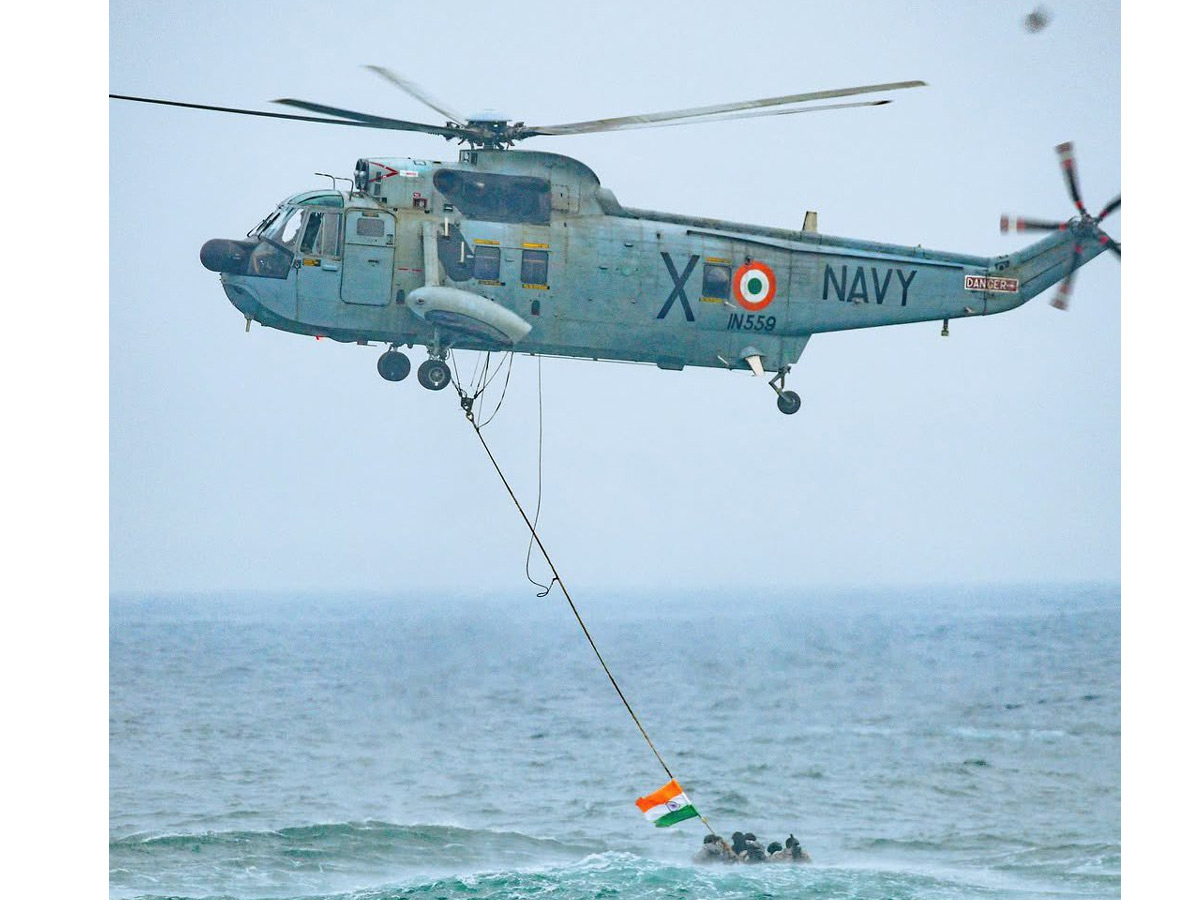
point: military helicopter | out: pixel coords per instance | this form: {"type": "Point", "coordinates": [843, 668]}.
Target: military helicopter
{"type": "Point", "coordinates": [524, 251]}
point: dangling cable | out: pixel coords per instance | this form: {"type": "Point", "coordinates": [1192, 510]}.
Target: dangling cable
{"type": "Point", "coordinates": [503, 390]}
{"type": "Point", "coordinates": [479, 383]}
{"type": "Point", "coordinates": [537, 512]}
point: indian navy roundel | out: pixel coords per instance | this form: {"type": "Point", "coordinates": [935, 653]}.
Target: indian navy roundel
{"type": "Point", "coordinates": [754, 286]}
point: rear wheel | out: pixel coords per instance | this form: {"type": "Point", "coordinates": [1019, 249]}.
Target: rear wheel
{"type": "Point", "coordinates": [788, 402]}
{"type": "Point", "coordinates": [433, 374]}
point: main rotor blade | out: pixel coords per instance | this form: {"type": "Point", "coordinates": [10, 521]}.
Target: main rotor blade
{"type": "Point", "coordinates": [362, 123]}
{"type": "Point", "coordinates": [249, 112]}
{"type": "Point", "coordinates": [1112, 245]}
{"type": "Point", "coordinates": [704, 112]}
{"type": "Point", "coordinates": [370, 121]}
{"type": "Point", "coordinates": [415, 90]}
{"type": "Point", "coordinates": [700, 120]}
{"type": "Point", "coordinates": [1113, 204]}
{"type": "Point", "coordinates": [1066, 158]}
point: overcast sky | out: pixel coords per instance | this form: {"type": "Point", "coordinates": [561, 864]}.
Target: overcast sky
{"type": "Point", "coordinates": [272, 461]}
{"type": "Point", "coordinates": [209, 458]}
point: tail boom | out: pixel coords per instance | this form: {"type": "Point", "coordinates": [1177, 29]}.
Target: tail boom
{"type": "Point", "coordinates": [1044, 264]}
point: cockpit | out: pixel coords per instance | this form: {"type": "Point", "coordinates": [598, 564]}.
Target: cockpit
{"type": "Point", "coordinates": [307, 223]}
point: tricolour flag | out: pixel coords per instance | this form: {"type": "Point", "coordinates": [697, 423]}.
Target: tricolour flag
{"type": "Point", "coordinates": [668, 805]}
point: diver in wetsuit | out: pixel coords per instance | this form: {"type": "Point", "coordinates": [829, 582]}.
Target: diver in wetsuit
{"type": "Point", "coordinates": [715, 849]}
{"type": "Point", "coordinates": [754, 850]}
{"type": "Point", "coordinates": [798, 853]}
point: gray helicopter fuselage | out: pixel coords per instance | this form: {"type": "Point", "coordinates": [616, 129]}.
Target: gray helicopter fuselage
{"type": "Point", "coordinates": [541, 244]}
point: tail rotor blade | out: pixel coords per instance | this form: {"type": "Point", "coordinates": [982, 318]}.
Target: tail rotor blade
{"type": "Point", "coordinates": [1015, 223]}
{"type": "Point", "coordinates": [1063, 298]}
{"type": "Point", "coordinates": [1113, 206]}
{"type": "Point", "coordinates": [1083, 232]}
{"type": "Point", "coordinates": [1066, 159]}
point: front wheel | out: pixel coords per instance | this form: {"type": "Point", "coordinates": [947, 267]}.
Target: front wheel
{"type": "Point", "coordinates": [788, 402]}
{"type": "Point", "coordinates": [393, 366]}
{"type": "Point", "coordinates": [433, 374]}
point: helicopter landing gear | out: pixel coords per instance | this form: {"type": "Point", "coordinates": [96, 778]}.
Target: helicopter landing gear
{"type": "Point", "coordinates": [393, 365]}
{"type": "Point", "coordinates": [789, 401]}
{"type": "Point", "coordinates": [433, 374]}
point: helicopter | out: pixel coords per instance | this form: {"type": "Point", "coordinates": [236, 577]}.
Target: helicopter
{"type": "Point", "coordinates": [526, 251]}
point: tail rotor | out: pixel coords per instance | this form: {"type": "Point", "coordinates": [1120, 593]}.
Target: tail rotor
{"type": "Point", "coordinates": [1083, 225]}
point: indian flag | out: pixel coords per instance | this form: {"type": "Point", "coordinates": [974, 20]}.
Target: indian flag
{"type": "Point", "coordinates": [668, 805]}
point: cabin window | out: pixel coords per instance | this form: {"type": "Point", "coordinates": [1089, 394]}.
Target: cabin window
{"type": "Point", "coordinates": [716, 282]}
{"type": "Point", "coordinates": [496, 198]}
{"type": "Point", "coordinates": [369, 227]}
{"type": "Point", "coordinates": [487, 262]}
{"type": "Point", "coordinates": [535, 265]}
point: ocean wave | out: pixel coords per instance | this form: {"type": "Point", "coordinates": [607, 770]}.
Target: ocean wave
{"type": "Point", "coordinates": [613, 874]}
{"type": "Point", "coordinates": [983, 851]}
{"type": "Point", "coordinates": [384, 861]}
{"type": "Point", "coordinates": [316, 858]}
{"type": "Point", "coordinates": [359, 839]}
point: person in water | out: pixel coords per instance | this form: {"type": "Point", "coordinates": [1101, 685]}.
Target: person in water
{"type": "Point", "coordinates": [798, 853]}
{"type": "Point", "coordinates": [746, 848]}
{"type": "Point", "coordinates": [715, 849]}
{"type": "Point", "coordinates": [739, 845]}
{"type": "Point", "coordinates": [754, 851]}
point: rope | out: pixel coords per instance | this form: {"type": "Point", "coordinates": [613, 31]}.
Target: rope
{"type": "Point", "coordinates": [537, 511]}
{"type": "Point", "coordinates": [574, 608]}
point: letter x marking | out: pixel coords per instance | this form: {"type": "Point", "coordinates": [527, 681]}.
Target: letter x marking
{"type": "Point", "coordinates": [679, 280]}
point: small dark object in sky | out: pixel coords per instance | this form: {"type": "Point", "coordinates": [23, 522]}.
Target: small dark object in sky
{"type": "Point", "coordinates": [1037, 20]}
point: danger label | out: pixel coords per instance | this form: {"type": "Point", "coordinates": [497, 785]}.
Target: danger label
{"type": "Point", "coordinates": [991, 283]}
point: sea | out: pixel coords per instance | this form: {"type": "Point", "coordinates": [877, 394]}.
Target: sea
{"type": "Point", "coordinates": [949, 742]}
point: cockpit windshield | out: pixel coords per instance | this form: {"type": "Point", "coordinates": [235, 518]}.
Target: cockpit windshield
{"type": "Point", "coordinates": [282, 230]}
{"type": "Point", "coordinates": [265, 223]}
{"type": "Point", "coordinates": [278, 234]}
{"type": "Point", "coordinates": [269, 227]}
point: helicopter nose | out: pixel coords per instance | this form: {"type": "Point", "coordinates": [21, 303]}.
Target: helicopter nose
{"type": "Point", "coordinates": [222, 255]}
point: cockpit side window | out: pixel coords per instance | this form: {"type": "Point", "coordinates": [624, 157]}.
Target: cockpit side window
{"type": "Point", "coordinates": [329, 244]}
{"type": "Point", "coordinates": [312, 228]}
{"type": "Point", "coordinates": [321, 234]}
